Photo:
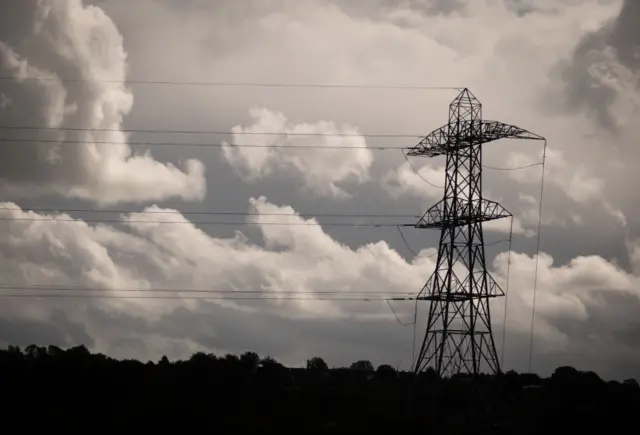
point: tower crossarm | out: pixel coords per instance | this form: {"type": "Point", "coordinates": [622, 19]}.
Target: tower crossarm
{"type": "Point", "coordinates": [454, 213]}
{"type": "Point", "coordinates": [467, 133]}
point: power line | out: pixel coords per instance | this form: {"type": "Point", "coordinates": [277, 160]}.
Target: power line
{"type": "Point", "coordinates": [515, 168]}
{"type": "Point", "coordinates": [406, 243]}
{"type": "Point", "coordinates": [233, 84]}
{"type": "Point", "coordinates": [506, 297]}
{"type": "Point", "coordinates": [204, 212]}
{"type": "Point", "coordinates": [247, 145]}
{"type": "Point", "coordinates": [418, 173]}
{"type": "Point", "coordinates": [78, 288]}
{"type": "Point", "coordinates": [211, 132]}
{"type": "Point", "coordinates": [535, 279]}
{"type": "Point", "coordinates": [413, 342]}
{"type": "Point", "coordinates": [396, 315]}
{"type": "Point", "coordinates": [194, 144]}
{"type": "Point", "coordinates": [114, 221]}
{"type": "Point", "coordinates": [214, 223]}
{"type": "Point", "coordinates": [204, 298]}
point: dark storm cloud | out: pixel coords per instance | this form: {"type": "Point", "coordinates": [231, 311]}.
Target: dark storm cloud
{"type": "Point", "coordinates": [610, 328]}
{"type": "Point", "coordinates": [210, 326]}
{"type": "Point", "coordinates": [617, 41]}
{"type": "Point", "coordinates": [59, 331]}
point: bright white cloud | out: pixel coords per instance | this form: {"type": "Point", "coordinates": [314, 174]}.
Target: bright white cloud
{"type": "Point", "coordinates": [67, 40]}
{"type": "Point", "coordinates": [508, 225]}
{"type": "Point", "coordinates": [320, 170]}
{"type": "Point", "coordinates": [292, 260]}
{"type": "Point", "coordinates": [426, 182]}
{"type": "Point", "coordinates": [565, 293]}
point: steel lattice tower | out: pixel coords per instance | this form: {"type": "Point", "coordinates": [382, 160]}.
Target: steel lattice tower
{"type": "Point", "coordinates": [459, 338]}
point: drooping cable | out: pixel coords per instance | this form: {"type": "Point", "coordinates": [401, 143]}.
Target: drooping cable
{"type": "Point", "coordinates": [413, 342]}
{"type": "Point", "coordinates": [400, 322]}
{"type": "Point", "coordinates": [506, 296]}
{"type": "Point", "coordinates": [515, 168]}
{"type": "Point", "coordinates": [535, 280]}
{"type": "Point", "coordinates": [406, 243]}
{"type": "Point", "coordinates": [418, 173]}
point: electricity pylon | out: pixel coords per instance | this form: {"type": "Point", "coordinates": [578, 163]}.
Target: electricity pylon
{"type": "Point", "coordinates": [459, 337]}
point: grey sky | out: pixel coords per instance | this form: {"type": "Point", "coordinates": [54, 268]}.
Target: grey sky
{"type": "Point", "coordinates": [535, 69]}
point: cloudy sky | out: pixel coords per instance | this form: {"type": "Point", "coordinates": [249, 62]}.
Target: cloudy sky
{"type": "Point", "coordinates": [75, 71]}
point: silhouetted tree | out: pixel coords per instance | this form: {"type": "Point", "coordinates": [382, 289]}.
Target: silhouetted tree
{"type": "Point", "coordinates": [385, 371]}
{"type": "Point", "coordinates": [231, 361]}
{"type": "Point", "coordinates": [564, 375]}
{"type": "Point", "coordinates": [317, 364]}
{"type": "Point", "coordinates": [272, 369]}
{"type": "Point", "coordinates": [362, 365]}
{"type": "Point", "coordinates": [249, 361]}
{"type": "Point", "coordinates": [35, 352]}
{"type": "Point", "coordinates": [212, 391]}
{"type": "Point", "coordinates": [269, 362]}
{"type": "Point", "coordinates": [202, 360]}
{"type": "Point", "coordinates": [54, 351]}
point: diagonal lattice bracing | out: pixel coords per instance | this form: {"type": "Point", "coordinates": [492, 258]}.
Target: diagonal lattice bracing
{"type": "Point", "coordinates": [459, 337]}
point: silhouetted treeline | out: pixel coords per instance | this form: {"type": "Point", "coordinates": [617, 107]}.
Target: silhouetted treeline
{"type": "Point", "coordinates": [48, 388]}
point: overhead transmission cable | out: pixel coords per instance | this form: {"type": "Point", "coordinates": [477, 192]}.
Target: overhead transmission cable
{"type": "Point", "coordinates": [400, 322]}
{"type": "Point", "coordinates": [213, 223]}
{"type": "Point", "coordinates": [180, 298]}
{"type": "Point", "coordinates": [515, 168]}
{"type": "Point", "coordinates": [204, 212]}
{"type": "Point", "coordinates": [48, 290]}
{"type": "Point", "coordinates": [81, 288]}
{"type": "Point", "coordinates": [535, 280]}
{"type": "Point", "coordinates": [506, 295]}
{"type": "Point", "coordinates": [406, 243]}
{"type": "Point", "coordinates": [220, 83]}
{"type": "Point", "coordinates": [418, 173]}
{"type": "Point", "coordinates": [84, 292]}
{"type": "Point", "coordinates": [197, 144]}
{"type": "Point", "coordinates": [210, 132]}
{"type": "Point", "coordinates": [250, 145]}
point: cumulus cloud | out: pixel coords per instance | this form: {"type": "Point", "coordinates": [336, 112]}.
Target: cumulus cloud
{"type": "Point", "coordinates": [60, 254]}
{"type": "Point", "coordinates": [63, 255]}
{"type": "Point", "coordinates": [492, 47]}
{"type": "Point", "coordinates": [602, 75]}
{"type": "Point", "coordinates": [320, 170]}
{"type": "Point", "coordinates": [577, 296]}
{"type": "Point", "coordinates": [426, 182]}
{"type": "Point", "coordinates": [599, 78]}
{"type": "Point", "coordinates": [297, 257]}
{"type": "Point", "coordinates": [65, 40]}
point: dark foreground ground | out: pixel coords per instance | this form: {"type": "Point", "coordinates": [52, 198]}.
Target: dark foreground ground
{"type": "Point", "coordinates": [49, 389]}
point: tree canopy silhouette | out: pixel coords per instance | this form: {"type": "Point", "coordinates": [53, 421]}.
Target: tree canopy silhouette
{"type": "Point", "coordinates": [231, 394]}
